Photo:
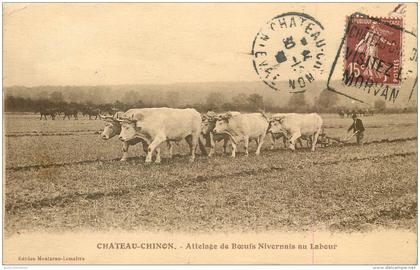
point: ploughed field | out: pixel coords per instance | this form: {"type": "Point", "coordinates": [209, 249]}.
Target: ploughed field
{"type": "Point", "coordinates": [61, 176]}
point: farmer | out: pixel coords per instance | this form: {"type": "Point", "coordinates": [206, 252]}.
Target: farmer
{"type": "Point", "coordinates": [358, 129]}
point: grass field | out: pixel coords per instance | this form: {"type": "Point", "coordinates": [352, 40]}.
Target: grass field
{"type": "Point", "coordinates": [61, 176]}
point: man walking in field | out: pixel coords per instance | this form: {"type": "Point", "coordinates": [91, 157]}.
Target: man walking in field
{"type": "Point", "coordinates": [358, 129]}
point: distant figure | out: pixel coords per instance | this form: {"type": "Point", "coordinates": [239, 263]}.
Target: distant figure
{"type": "Point", "coordinates": [358, 128]}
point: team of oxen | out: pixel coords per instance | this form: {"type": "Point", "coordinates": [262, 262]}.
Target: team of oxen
{"type": "Point", "coordinates": [154, 126]}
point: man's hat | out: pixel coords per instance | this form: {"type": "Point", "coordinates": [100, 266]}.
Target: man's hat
{"type": "Point", "coordinates": [354, 116]}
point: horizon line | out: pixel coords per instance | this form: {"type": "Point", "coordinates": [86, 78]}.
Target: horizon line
{"type": "Point", "coordinates": [136, 84]}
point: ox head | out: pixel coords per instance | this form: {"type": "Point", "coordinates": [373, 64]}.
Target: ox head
{"type": "Point", "coordinates": [112, 125]}
{"type": "Point", "coordinates": [208, 122]}
{"type": "Point", "coordinates": [222, 122]}
{"type": "Point", "coordinates": [128, 128]}
{"type": "Point", "coordinates": [275, 125]}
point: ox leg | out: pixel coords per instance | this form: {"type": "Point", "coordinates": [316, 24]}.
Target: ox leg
{"type": "Point", "coordinates": [234, 145]}
{"type": "Point", "coordinates": [192, 140]}
{"type": "Point", "coordinates": [246, 143]}
{"type": "Point", "coordinates": [285, 141]}
{"type": "Point", "coordinates": [260, 142]}
{"type": "Point", "coordinates": [211, 144]}
{"type": "Point", "coordinates": [145, 147]}
{"type": "Point", "coordinates": [293, 140]}
{"type": "Point", "coordinates": [170, 148]}
{"type": "Point", "coordinates": [315, 139]}
{"type": "Point", "coordinates": [225, 145]}
{"type": "Point", "coordinates": [194, 146]}
{"type": "Point", "coordinates": [272, 141]}
{"type": "Point", "coordinates": [125, 151]}
{"type": "Point", "coordinates": [202, 145]}
{"type": "Point", "coordinates": [310, 140]}
{"type": "Point", "coordinates": [188, 139]}
{"type": "Point", "coordinates": [158, 160]}
{"type": "Point", "coordinates": [156, 142]}
{"type": "Point", "coordinates": [296, 144]}
{"type": "Point", "coordinates": [299, 141]}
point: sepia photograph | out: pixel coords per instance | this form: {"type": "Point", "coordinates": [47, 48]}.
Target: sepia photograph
{"type": "Point", "coordinates": [210, 133]}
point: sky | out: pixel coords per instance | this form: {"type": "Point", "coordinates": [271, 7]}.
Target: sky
{"type": "Point", "coordinates": [102, 44]}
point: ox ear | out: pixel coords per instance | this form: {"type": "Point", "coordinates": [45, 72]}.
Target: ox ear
{"type": "Point", "coordinates": [227, 116]}
{"type": "Point", "coordinates": [138, 124]}
{"type": "Point", "coordinates": [137, 116]}
{"type": "Point", "coordinates": [281, 120]}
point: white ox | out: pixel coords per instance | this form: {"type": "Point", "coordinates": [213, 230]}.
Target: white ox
{"type": "Point", "coordinates": [243, 127]}
{"type": "Point", "coordinates": [113, 128]}
{"type": "Point", "coordinates": [296, 126]}
{"type": "Point", "coordinates": [157, 125]}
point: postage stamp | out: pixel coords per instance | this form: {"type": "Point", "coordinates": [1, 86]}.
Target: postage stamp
{"type": "Point", "coordinates": [372, 52]}
{"type": "Point", "coordinates": [290, 47]}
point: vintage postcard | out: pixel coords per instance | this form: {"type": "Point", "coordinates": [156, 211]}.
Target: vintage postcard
{"type": "Point", "coordinates": [210, 133]}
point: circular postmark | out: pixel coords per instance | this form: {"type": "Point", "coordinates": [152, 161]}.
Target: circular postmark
{"type": "Point", "coordinates": [290, 47]}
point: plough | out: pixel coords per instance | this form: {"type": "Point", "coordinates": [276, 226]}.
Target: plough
{"type": "Point", "coordinates": [325, 140]}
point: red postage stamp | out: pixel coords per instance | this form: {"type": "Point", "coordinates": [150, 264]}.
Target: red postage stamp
{"type": "Point", "coordinates": [373, 50]}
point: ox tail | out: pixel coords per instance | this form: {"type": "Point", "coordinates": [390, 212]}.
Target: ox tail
{"type": "Point", "coordinates": [202, 146]}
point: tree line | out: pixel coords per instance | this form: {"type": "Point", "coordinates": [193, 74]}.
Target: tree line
{"type": "Point", "coordinates": [326, 102]}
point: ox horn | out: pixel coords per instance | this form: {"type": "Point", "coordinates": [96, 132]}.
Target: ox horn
{"type": "Point", "coordinates": [105, 117]}
{"type": "Point", "coordinates": [121, 119]}
{"type": "Point", "coordinates": [117, 115]}
{"type": "Point", "coordinates": [124, 119]}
